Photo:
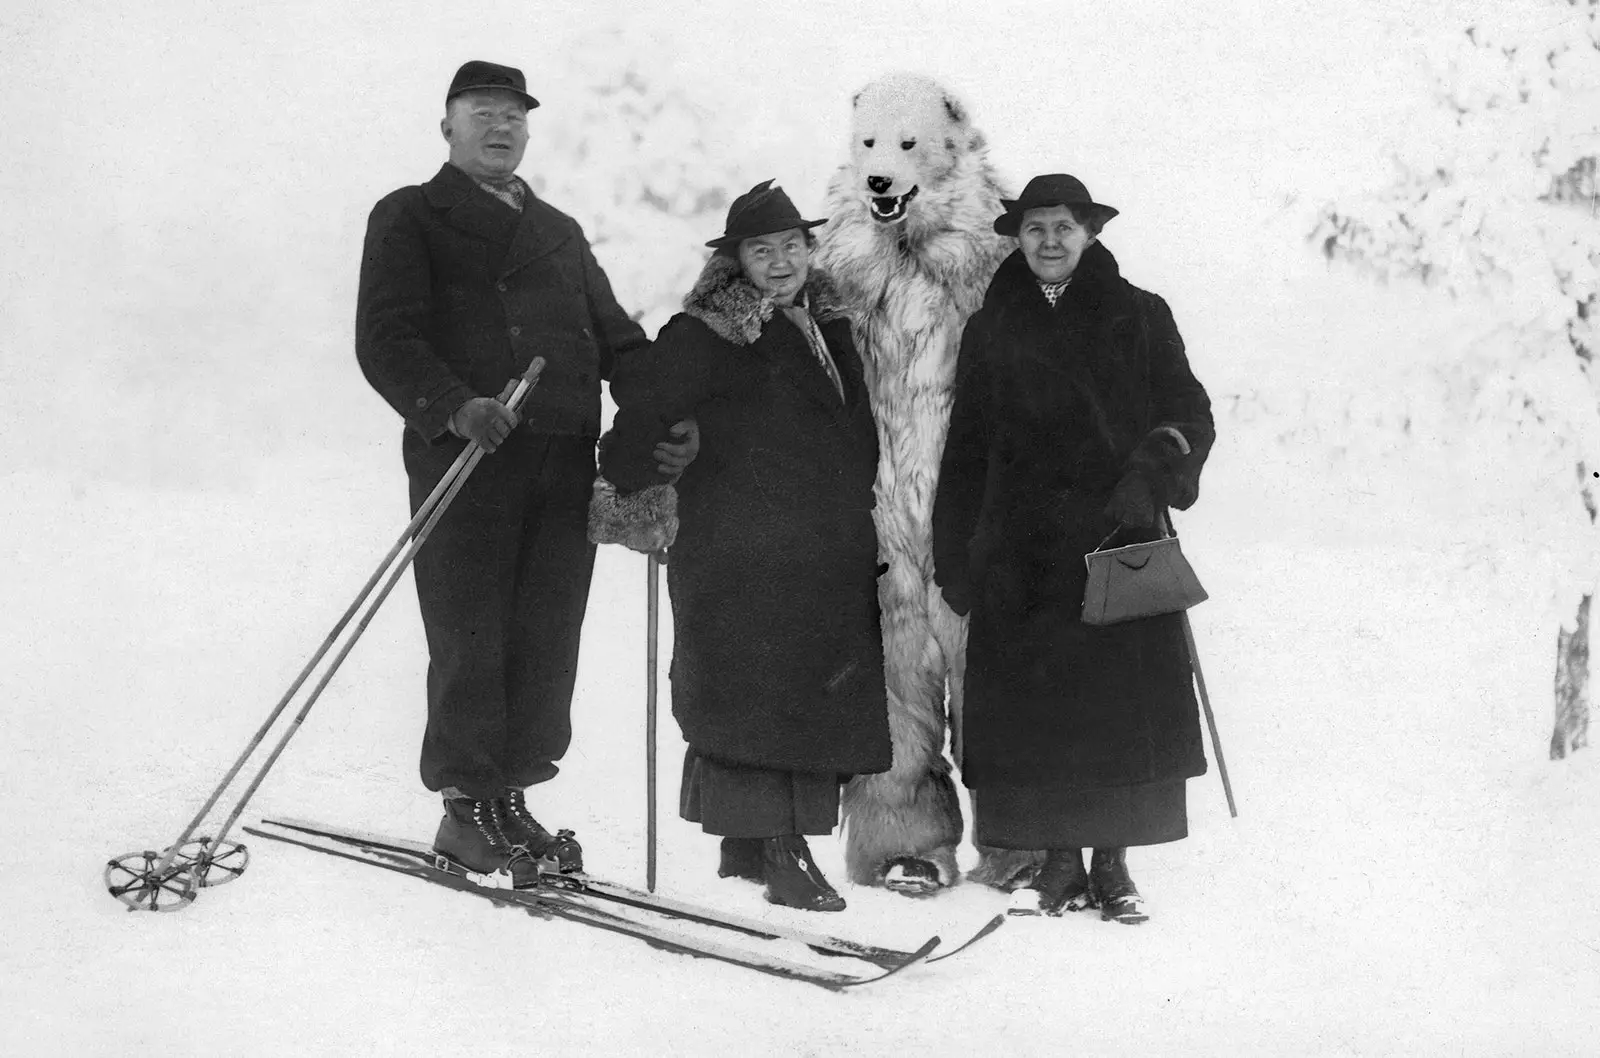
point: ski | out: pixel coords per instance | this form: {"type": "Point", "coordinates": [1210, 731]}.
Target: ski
{"type": "Point", "coordinates": [418, 862]}
{"type": "Point", "coordinates": [586, 886]}
{"type": "Point", "coordinates": [987, 928]}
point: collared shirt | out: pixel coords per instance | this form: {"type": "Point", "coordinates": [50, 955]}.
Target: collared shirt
{"type": "Point", "coordinates": [800, 315]}
{"type": "Point", "coordinates": [1052, 291]}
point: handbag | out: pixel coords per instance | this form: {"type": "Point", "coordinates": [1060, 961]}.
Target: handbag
{"type": "Point", "coordinates": [1138, 580]}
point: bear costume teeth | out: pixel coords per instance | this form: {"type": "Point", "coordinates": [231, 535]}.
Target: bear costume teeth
{"type": "Point", "coordinates": [886, 209]}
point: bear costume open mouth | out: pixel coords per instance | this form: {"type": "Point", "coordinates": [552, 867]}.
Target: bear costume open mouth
{"type": "Point", "coordinates": [889, 208]}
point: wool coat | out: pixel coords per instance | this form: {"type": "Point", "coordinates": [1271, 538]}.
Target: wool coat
{"type": "Point", "coordinates": [1054, 408]}
{"type": "Point", "coordinates": [459, 293]}
{"type": "Point", "coordinates": [777, 657]}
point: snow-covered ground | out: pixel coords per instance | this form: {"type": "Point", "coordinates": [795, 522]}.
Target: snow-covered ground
{"type": "Point", "coordinates": [199, 482]}
{"type": "Point", "coordinates": [1408, 873]}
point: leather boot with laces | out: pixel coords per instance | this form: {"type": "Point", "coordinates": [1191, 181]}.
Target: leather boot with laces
{"type": "Point", "coordinates": [793, 879]}
{"type": "Point", "coordinates": [470, 836]}
{"type": "Point", "coordinates": [1112, 887]}
{"type": "Point", "coordinates": [561, 850]}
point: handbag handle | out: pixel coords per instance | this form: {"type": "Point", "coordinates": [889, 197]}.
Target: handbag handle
{"type": "Point", "coordinates": [1163, 523]}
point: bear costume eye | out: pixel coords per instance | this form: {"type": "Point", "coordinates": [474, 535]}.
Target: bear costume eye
{"type": "Point", "coordinates": [906, 145]}
{"type": "Point", "coordinates": [868, 143]}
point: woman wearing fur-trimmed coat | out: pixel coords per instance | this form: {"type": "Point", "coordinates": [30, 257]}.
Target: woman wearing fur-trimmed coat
{"type": "Point", "coordinates": [777, 669]}
{"type": "Point", "coordinates": [1075, 414]}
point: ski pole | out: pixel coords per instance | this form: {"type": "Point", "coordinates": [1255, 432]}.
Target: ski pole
{"type": "Point", "coordinates": [1211, 719]}
{"type": "Point", "coordinates": [416, 533]}
{"type": "Point", "coordinates": [474, 453]}
{"type": "Point", "coordinates": [653, 605]}
{"type": "Point", "coordinates": [277, 710]}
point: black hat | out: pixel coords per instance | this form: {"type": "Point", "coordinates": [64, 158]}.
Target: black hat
{"type": "Point", "coordinates": [761, 210]}
{"type": "Point", "coordinates": [1052, 189]}
{"type": "Point", "coordinates": [478, 74]}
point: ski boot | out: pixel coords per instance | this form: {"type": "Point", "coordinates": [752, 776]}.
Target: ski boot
{"type": "Point", "coordinates": [1061, 885]}
{"type": "Point", "coordinates": [741, 858]}
{"type": "Point", "coordinates": [1112, 888]}
{"type": "Point", "coordinates": [472, 841]}
{"type": "Point", "coordinates": [558, 853]}
{"type": "Point", "coordinates": [793, 879]}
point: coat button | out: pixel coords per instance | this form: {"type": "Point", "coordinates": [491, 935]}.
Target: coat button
{"type": "Point", "coordinates": [515, 331]}
{"type": "Point", "coordinates": [500, 287]}
{"type": "Point", "coordinates": [422, 402]}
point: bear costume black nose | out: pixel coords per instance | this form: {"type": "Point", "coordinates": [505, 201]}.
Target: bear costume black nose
{"type": "Point", "coordinates": [879, 185]}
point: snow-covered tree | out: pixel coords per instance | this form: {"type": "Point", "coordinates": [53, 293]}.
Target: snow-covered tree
{"type": "Point", "coordinates": [626, 150]}
{"type": "Point", "coordinates": [1494, 200]}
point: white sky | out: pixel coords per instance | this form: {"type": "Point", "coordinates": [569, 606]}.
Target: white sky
{"type": "Point", "coordinates": [185, 186]}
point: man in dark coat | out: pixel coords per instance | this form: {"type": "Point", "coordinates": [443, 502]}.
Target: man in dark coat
{"type": "Point", "coordinates": [777, 668]}
{"type": "Point", "coordinates": [464, 280]}
{"type": "Point", "coordinates": [1075, 414]}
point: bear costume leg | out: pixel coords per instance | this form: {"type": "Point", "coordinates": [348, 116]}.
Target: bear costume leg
{"type": "Point", "coordinates": [911, 812]}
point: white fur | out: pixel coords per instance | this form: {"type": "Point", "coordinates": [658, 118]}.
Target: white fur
{"type": "Point", "coordinates": [909, 286]}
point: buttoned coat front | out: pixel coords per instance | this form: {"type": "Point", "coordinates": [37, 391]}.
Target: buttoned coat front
{"type": "Point", "coordinates": [458, 294]}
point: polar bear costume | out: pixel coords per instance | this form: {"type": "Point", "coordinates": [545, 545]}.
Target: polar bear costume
{"type": "Point", "coordinates": [911, 246]}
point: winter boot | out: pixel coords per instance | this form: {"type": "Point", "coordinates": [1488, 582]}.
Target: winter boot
{"type": "Point", "coordinates": [792, 877]}
{"type": "Point", "coordinates": [741, 858]}
{"type": "Point", "coordinates": [560, 850]}
{"type": "Point", "coordinates": [1061, 885]}
{"type": "Point", "coordinates": [1112, 890]}
{"type": "Point", "coordinates": [472, 839]}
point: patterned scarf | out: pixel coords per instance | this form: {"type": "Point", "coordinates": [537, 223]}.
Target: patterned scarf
{"type": "Point", "coordinates": [800, 316]}
{"type": "Point", "coordinates": [1052, 291]}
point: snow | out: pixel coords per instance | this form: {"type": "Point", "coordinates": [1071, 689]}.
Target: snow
{"type": "Point", "coordinates": [201, 482]}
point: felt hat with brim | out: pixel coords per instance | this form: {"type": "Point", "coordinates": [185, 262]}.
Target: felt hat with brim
{"type": "Point", "coordinates": [1052, 189]}
{"type": "Point", "coordinates": [762, 210]}
{"type": "Point", "coordinates": [477, 76]}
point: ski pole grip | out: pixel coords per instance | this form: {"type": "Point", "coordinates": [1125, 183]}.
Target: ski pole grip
{"type": "Point", "coordinates": [530, 376]}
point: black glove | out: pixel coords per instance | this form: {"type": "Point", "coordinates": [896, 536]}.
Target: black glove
{"type": "Point", "coordinates": [1133, 502]}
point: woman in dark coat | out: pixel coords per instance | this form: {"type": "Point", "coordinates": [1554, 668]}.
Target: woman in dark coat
{"type": "Point", "coordinates": [777, 669]}
{"type": "Point", "coordinates": [1075, 414]}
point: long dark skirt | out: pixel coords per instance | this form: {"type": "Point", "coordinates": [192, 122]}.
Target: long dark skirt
{"type": "Point", "coordinates": [745, 801]}
{"type": "Point", "coordinates": [1044, 816]}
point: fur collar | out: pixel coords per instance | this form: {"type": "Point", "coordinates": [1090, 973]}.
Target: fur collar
{"type": "Point", "coordinates": [724, 300]}
{"type": "Point", "coordinates": [1097, 283]}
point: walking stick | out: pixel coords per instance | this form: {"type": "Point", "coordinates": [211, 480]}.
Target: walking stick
{"type": "Point", "coordinates": [653, 605]}
{"type": "Point", "coordinates": [168, 881]}
{"type": "Point", "coordinates": [1211, 719]}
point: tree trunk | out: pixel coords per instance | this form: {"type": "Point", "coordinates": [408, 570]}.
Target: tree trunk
{"type": "Point", "coordinates": [1572, 686]}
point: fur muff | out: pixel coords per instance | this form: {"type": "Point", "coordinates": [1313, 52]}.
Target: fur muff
{"type": "Point", "coordinates": [646, 520]}
{"type": "Point", "coordinates": [909, 244]}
